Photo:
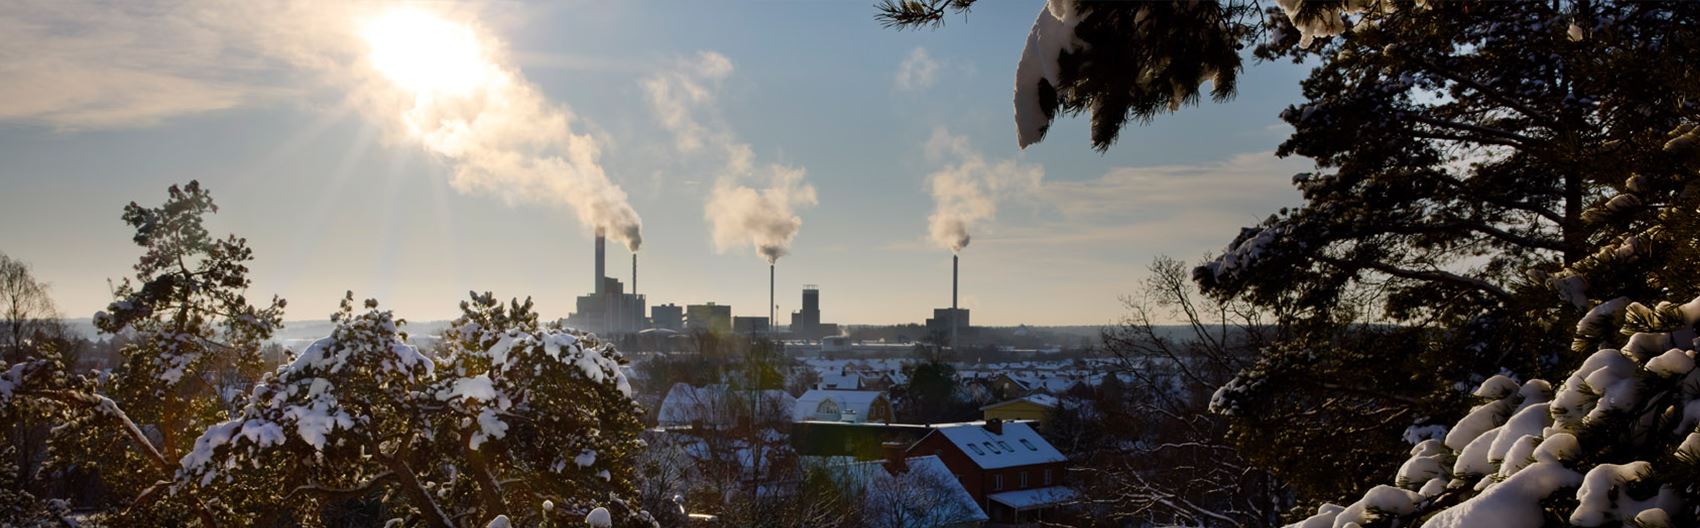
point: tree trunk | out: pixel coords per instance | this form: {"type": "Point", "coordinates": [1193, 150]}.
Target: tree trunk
{"type": "Point", "coordinates": [416, 493]}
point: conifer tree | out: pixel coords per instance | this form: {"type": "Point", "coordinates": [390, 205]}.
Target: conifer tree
{"type": "Point", "coordinates": [514, 419]}
{"type": "Point", "coordinates": [1486, 173]}
{"type": "Point", "coordinates": [193, 347]}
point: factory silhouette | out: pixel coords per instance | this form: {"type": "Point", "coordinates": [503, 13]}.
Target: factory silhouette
{"type": "Point", "coordinates": [611, 309]}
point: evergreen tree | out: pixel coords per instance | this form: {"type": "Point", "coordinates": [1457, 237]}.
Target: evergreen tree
{"type": "Point", "coordinates": [933, 394]}
{"type": "Point", "coordinates": [1486, 172]}
{"type": "Point", "coordinates": [1117, 61]}
{"type": "Point", "coordinates": [193, 347]}
{"type": "Point", "coordinates": [516, 419]}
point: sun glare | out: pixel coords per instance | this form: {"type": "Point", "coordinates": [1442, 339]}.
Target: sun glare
{"type": "Point", "coordinates": [427, 55]}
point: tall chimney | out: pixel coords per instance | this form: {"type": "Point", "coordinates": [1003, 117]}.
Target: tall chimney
{"type": "Point", "coordinates": [634, 273]}
{"type": "Point", "coordinates": [601, 253]}
{"type": "Point", "coordinates": [770, 304]}
{"type": "Point", "coordinates": [955, 314]}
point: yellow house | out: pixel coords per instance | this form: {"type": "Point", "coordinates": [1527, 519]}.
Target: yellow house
{"type": "Point", "coordinates": [1033, 407]}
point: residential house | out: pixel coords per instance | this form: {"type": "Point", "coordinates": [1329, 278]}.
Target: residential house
{"type": "Point", "coordinates": [839, 381]}
{"type": "Point", "coordinates": [850, 406]}
{"type": "Point", "coordinates": [1034, 407]}
{"type": "Point", "coordinates": [1012, 472]}
{"type": "Point", "coordinates": [908, 492]}
{"type": "Point", "coordinates": [717, 406]}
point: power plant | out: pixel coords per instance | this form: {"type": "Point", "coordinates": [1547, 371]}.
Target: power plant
{"type": "Point", "coordinates": [609, 309]}
{"type": "Point", "coordinates": [949, 322]}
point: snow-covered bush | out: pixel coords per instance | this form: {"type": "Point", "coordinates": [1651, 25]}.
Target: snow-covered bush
{"type": "Point", "coordinates": [540, 404]}
{"type": "Point", "coordinates": [1614, 443]}
{"type": "Point", "coordinates": [510, 416]}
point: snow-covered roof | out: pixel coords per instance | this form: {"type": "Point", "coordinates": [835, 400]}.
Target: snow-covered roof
{"type": "Point", "coordinates": [847, 400]}
{"type": "Point", "coordinates": [1043, 400]}
{"type": "Point", "coordinates": [1031, 499]}
{"type": "Point", "coordinates": [1018, 445]}
{"type": "Point", "coordinates": [715, 405]}
{"type": "Point", "coordinates": [839, 381]}
{"type": "Point", "coordinates": [952, 505]}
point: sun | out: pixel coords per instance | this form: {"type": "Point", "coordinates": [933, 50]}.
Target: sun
{"type": "Point", "coordinates": [423, 53]}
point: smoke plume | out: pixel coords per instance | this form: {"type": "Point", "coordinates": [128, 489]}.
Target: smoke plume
{"type": "Point", "coordinates": [748, 205]}
{"type": "Point", "coordinates": [432, 78]}
{"type": "Point", "coordinates": [966, 192]}
{"type": "Point", "coordinates": [763, 218]}
{"type": "Point", "coordinates": [502, 136]}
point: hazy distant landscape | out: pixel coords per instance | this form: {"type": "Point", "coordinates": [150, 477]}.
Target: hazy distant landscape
{"type": "Point", "coordinates": [1028, 264]}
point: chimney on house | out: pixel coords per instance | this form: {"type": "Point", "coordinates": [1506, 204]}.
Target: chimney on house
{"type": "Point", "coordinates": [896, 459]}
{"type": "Point", "coordinates": [995, 426]}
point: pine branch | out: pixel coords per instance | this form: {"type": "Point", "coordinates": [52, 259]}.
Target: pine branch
{"type": "Point", "coordinates": [1430, 275]}
{"type": "Point", "coordinates": [906, 14]}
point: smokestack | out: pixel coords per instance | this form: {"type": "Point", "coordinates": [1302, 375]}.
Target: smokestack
{"type": "Point", "coordinates": [953, 270]}
{"type": "Point", "coordinates": [955, 315]}
{"type": "Point", "coordinates": [601, 253]}
{"type": "Point", "coordinates": [634, 273]}
{"type": "Point", "coordinates": [770, 304]}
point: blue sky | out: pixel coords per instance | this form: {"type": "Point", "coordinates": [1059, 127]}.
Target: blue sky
{"type": "Point", "coordinates": [106, 106]}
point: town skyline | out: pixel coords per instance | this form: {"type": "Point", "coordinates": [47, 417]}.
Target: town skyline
{"type": "Point", "coordinates": [331, 201]}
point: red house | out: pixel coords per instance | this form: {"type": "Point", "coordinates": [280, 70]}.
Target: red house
{"type": "Point", "coordinates": [1013, 473]}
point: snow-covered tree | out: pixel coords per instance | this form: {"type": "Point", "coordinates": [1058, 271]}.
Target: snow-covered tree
{"type": "Point", "coordinates": [1486, 172]}
{"type": "Point", "coordinates": [1614, 443]}
{"type": "Point", "coordinates": [528, 422]}
{"type": "Point", "coordinates": [1116, 61]}
{"type": "Point", "coordinates": [193, 342]}
{"type": "Point", "coordinates": [541, 406]}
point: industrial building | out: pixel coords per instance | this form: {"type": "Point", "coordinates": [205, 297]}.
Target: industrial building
{"type": "Point", "coordinates": [716, 318]}
{"type": "Point", "coordinates": [805, 323]}
{"type": "Point", "coordinates": [952, 322]}
{"type": "Point", "coordinates": [667, 316]}
{"type": "Point", "coordinates": [609, 309]}
{"type": "Point", "coordinates": [750, 325]}
{"type": "Point", "coordinates": [944, 319]}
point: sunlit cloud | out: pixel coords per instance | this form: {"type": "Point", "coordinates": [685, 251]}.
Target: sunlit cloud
{"type": "Point", "coordinates": [917, 72]}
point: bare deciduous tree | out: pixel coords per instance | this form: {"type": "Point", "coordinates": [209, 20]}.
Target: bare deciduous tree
{"type": "Point", "coordinates": [25, 306]}
{"type": "Point", "coordinates": [1167, 459]}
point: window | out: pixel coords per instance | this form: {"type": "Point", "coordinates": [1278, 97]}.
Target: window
{"type": "Point", "coordinates": [997, 482]}
{"type": "Point", "coordinates": [1028, 445]}
{"type": "Point", "coordinates": [976, 449]}
{"type": "Point", "coordinates": [990, 447]}
{"type": "Point", "coordinates": [1024, 479]}
{"type": "Point", "coordinates": [1047, 477]}
{"type": "Point", "coordinates": [1004, 445]}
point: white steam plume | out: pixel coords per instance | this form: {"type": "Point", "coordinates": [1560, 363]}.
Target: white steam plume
{"type": "Point", "coordinates": [763, 218]}
{"type": "Point", "coordinates": [427, 77]}
{"type": "Point", "coordinates": [747, 205]}
{"type": "Point", "coordinates": [500, 134]}
{"type": "Point", "coordinates": [966, 192]}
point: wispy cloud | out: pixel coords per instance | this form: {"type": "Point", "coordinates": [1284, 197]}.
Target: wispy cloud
{"type": "Point", "coordinates": [1248, 182]}
{"type": "Point", "coordinates": [1181, 209]}
{"type": "Point", "coordinates": [75, 66]}
{"type": "Point", "coordinates": [917, 72]}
